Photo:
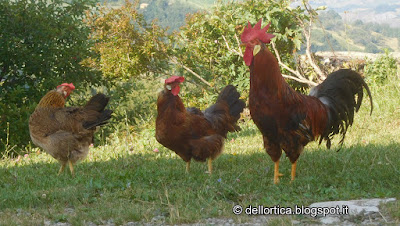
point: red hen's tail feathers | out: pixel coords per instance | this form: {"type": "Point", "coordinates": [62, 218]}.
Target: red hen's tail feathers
{"type": "Point", "coordinates": [338, 92]}
{"type": "Point", "coordinates": [225, 113]}
{"type": "Point", "coordinates": [231, 96]}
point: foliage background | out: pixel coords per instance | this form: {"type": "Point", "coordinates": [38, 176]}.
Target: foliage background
{"type": "Point", "coordinates": [41, 45]}
{"type": "Point", "coordinates": [120, 51]}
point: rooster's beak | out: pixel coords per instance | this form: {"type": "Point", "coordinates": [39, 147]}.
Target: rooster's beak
{"type": "Point", "coordinates": [256, 49]}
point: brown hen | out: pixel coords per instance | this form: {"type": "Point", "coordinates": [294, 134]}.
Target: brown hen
{"type": "Point", "coordinates": [192, 133]}
{"type": "Point", "coordinates": [66, 132]}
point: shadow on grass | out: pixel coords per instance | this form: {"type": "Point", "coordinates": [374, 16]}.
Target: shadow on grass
{"type": "Point", "coordinates": [158, 182]}
{"type": "Point", "coordinates": [247, 129]}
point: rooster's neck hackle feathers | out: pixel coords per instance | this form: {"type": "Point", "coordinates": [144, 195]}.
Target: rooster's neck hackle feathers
{"type": "Point", "coordinates": [265, 73]}
{"type": "Point", "coordinates": [52, 99]}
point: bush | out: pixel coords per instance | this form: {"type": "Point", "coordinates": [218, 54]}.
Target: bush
{"type": "Point", "coordinates": [134, 105]}
{"type": "Point", "coordinates": [382, 69]}
{"type": "Point", "coordinates": [41, 45]}
{"type": "Point", "coordinates": [125, 44]}
{"type": "Point", "coordinates": [202, 43]}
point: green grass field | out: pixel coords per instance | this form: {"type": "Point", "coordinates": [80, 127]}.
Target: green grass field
{"type": "Point", "coordinates": [125, 180]}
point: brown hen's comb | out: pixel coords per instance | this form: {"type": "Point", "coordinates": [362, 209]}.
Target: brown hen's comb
{"type": "Point", "coordinates": [251, 33]}
{"type": "Point", "coordinates": [70, 85]}
{"type": "Point", "coordinates": [174, 78]}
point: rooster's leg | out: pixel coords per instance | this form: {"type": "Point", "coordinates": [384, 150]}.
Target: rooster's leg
{"type": "Point", "coordinates": [276, 173]}
{"type": "Point", "coordinates": [71, 168]}
{"type": "Point", "coordinates": [209, 165]}
{"type": "Point", "coordinates": [61, 168]}
{"type": "Point", "coordinates": [187, 167]}
{"type": "Point", "coordinates": [294, 170]}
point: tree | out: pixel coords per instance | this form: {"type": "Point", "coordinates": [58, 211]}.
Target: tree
{"type": "Point", "coordinates": [209, 45]}
{"type": "Point", "coordinates": [125, 44]}
{"type": "Point", "coordinates": [41, 45]}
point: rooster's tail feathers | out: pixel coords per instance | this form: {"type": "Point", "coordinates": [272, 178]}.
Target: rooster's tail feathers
{"type": "Point", "coordinates": [338, 92]}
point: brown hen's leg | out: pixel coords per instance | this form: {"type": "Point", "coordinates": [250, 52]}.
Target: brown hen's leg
{"type": "Point", "coordinates": [209, 165]}
{"type": "Point", "coordinates": [71, 168]}
{"type": "Point", "coordinates": [61, 168]}
{"type": "Point", "coordinates": [276, 173]}
{"type": "Point", "coordinates": [294, 170]}
{"type": "Point", "coordinates": [187, 167]}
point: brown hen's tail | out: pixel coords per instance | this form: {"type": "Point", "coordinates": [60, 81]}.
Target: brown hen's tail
{"type": "Point", "coordinates": [338, 92]}
{"type": "Point", "coordinates": [95, 109]}
{"type": "Point", "coordinates": [224, 114]}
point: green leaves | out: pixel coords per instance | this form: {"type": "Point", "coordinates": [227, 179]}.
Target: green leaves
{"type": "Point", "coordinates": [210, 42]}
{"type": "Point", "coordinates": [125, 44]}
{"type": "Point", "coordinates": [382, 69]}
{"type": "Point", "coordinates": [41, 45]}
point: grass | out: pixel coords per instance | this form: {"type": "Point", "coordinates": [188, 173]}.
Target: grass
{"type": "Point", "coordinates": [126, 180]}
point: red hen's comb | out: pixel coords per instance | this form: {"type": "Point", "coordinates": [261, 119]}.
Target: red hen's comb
{"type": "Point", "coordinates": [174, 79]}
{"type": "Point", "coordinates": [70, 85]}
{"type": "Point", "coordinates": [251, 33]}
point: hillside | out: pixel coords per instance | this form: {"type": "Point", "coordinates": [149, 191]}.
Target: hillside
{"type": "Point", "coordinates": [344, 26]}
{"type": "Point", "coordinates": [377, 11]}
{"type": "Point", "coordinates": [332, 32]}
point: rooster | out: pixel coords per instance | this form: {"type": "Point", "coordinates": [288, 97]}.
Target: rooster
{"type": "Point", "coordinates": [289, 120]}
{"type": "Point", "coordinates": [66, 132]}
{"type": "Point", "coordinates": [191, 133]}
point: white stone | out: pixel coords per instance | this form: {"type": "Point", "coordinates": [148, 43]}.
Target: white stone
{"type": "Point", "coordinates": [330, 220]}
{"type": "Point", "coordinates": [356, 207]}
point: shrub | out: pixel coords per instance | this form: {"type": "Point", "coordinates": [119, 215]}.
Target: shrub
{"type": "Point", "coordinates": [125, 44]}
{"type": "Point", "coordinates": [202, 45]}
{"type": "Point", "coordinates": [41, 45]}
{"type": "Point", "coordinates": [382, 69]}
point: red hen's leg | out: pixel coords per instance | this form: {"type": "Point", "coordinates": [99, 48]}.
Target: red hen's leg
{"type": "Point", "coordinates": [71, 168]}
{"type": "Point", "coordinates": [276, 173]}
{"type": "Point", "coordinates": [294, 170]}
{"type": "Point", "coordinates": [209, 165]}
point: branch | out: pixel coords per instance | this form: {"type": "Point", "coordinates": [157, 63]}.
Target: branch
{"type": "Point", "coordinates": [299, 77]}
{"type": "Point", "coordinates": [307, 34]}
{"type": "Point", "coordinates": [238, 43]}
{"type": "Point", "coordinates": [174, 61]}
{"type": "Point", "coordinates": [306, 81]}
{"type": "Point", "coordinates": [233, 50]}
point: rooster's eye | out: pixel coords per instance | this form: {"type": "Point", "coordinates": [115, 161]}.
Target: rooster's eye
{"type": "Point", "coordinates": [168, 87]}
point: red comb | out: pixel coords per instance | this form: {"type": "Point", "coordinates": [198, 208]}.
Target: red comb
{"type": "Point", "coordinates": [251, 33]}
{"type": "Point", "coordinates": [70, 85]}
{"type": "Point", "coordinates": [174, 79]}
